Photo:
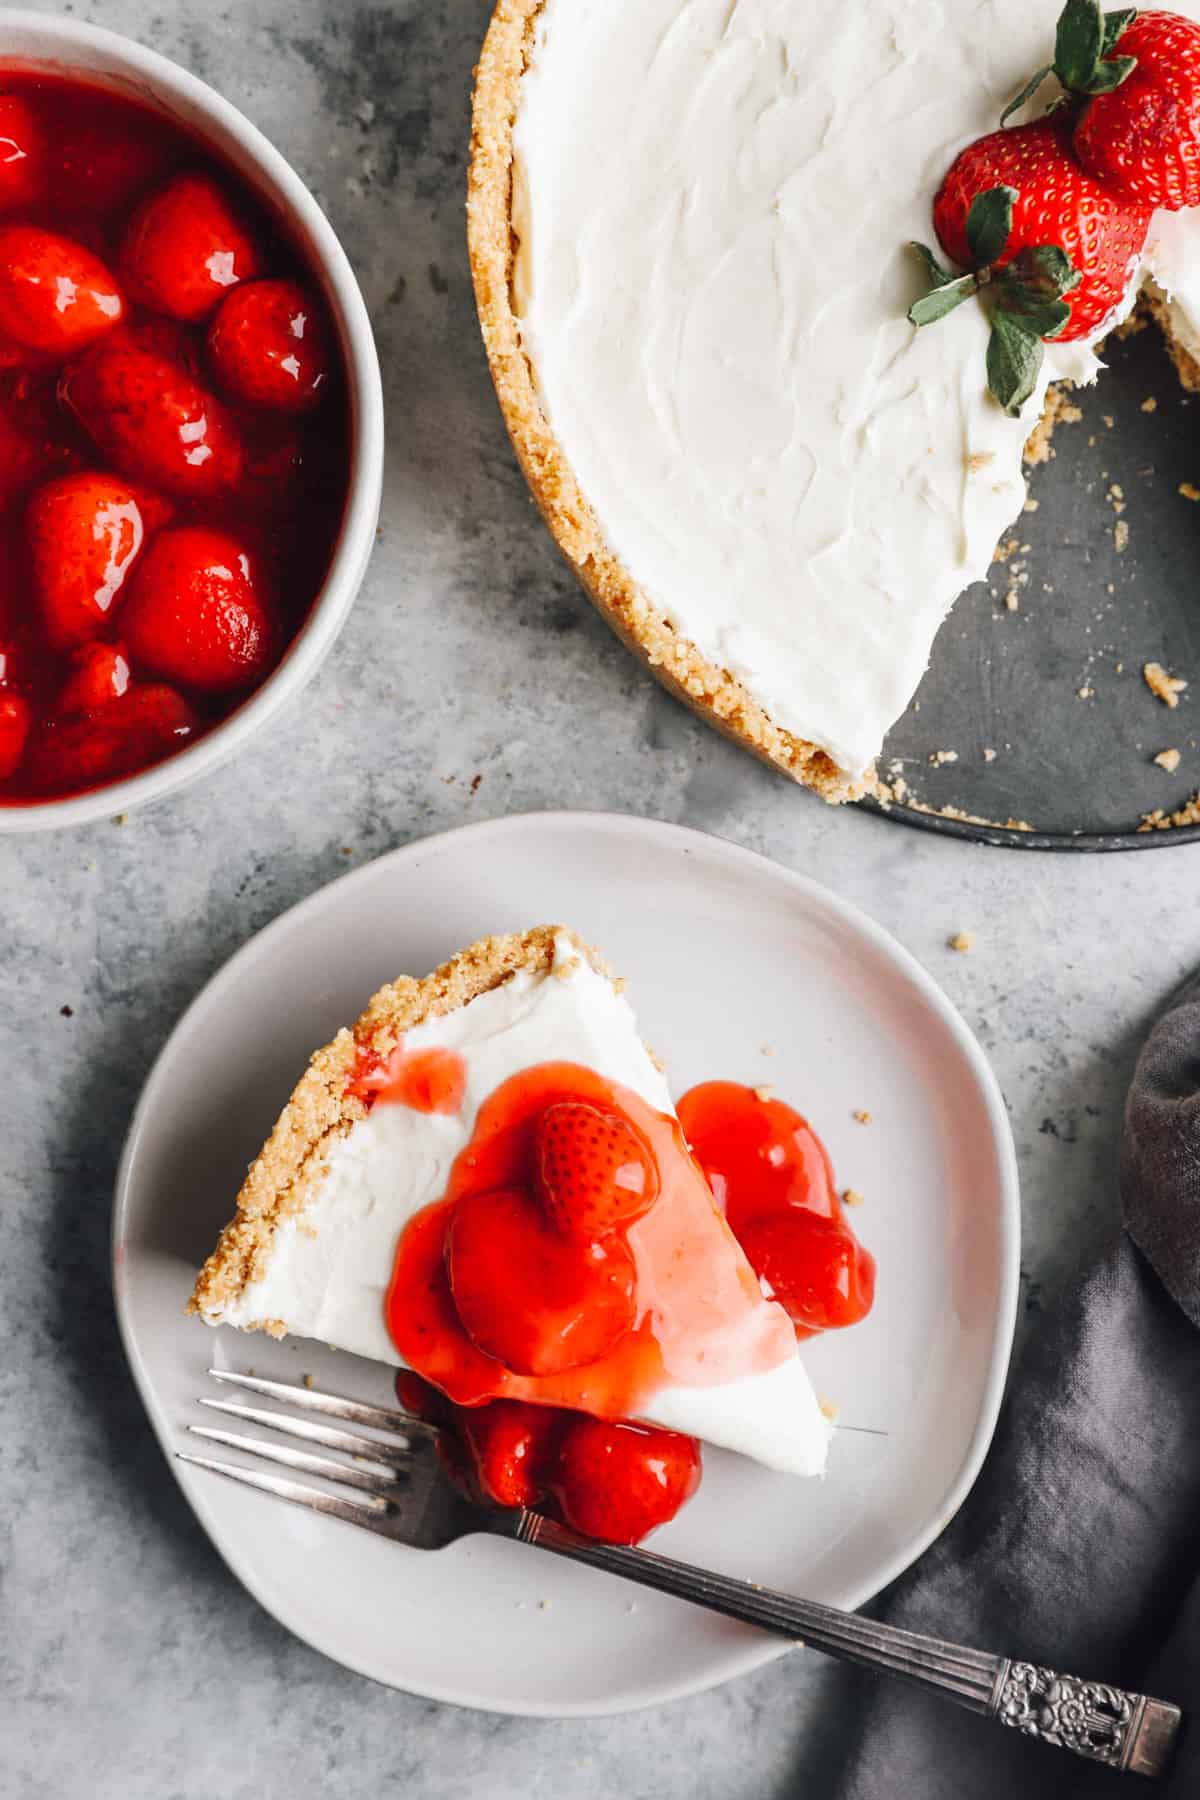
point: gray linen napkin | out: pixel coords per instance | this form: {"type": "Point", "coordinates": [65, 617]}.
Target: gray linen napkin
{"type": "Point", "coordinates": [1079, 1547]}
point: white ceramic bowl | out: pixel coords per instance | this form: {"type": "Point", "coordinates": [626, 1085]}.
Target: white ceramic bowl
{"type": "Point", "coordinates": [65, 46]}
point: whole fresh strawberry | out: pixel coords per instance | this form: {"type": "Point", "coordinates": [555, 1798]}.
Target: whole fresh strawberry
{"type": "Point", "coordinates": [55, 295]}
{"type": "Point", "coordinates": [595, 1171]}
{"type": "Point", "coordinates": [1143, 138]}
{"type": "Point", "coordinates": [1134, 80]}
{"type": "Point", "coordinates": [152, 419]}
{"type": "Point", "coordinates": [618, 1481]}
{"type": "Point", "coordinates": [1050, 247]}
{"type": "Point", "coordinates": [85, 532]}
{"type": "Point", "coordinates": [185, 248]}
{"type": "Point", "coordinates": [195, 614]}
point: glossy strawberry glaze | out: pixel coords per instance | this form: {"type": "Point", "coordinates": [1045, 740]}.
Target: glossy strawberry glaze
{"type": "Point", "coordinates": [687, 1299]}
{"type": "Point", "coordinates": [607, 1479]}
{"type": "Point", "coordinates": [85, 161]}
{"type": "Point", "coordinates": [428, 1081]}
{"type": "Point", "coordinates": [771, 1175]}
{"type": "Point", "coordinates": [564, 1442]}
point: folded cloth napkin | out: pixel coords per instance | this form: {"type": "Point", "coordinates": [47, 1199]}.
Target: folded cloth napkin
{"type": "Point", "coordinates": [1079, 1547]}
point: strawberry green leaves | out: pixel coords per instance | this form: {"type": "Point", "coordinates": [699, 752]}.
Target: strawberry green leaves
{"type": "Point", "coordinates": [1083, 59]}
{"type": "Point", "coordinates": [989, 225]}
{"type": "Point", "coordinates": [1026, 295]}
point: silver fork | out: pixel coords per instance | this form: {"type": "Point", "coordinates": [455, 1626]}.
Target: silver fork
{"type": "Point", "coordinates": [402, 1493]}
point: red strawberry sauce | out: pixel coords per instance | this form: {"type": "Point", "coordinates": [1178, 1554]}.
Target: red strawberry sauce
{"type": "Point", "coordinates": [429, 1081]}
{"type": "Point", "coordinates": [539, 1307]}
{"type": "Point", "coordinates": [771, 1175]}
{"type": "Point", "coordinates": [173, 442]}
{"type": "Point", "coordinates": [680, 1302]}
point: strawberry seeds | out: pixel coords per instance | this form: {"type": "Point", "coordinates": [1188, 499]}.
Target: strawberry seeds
{"type": "Point", "coordinates": [1050, 217]}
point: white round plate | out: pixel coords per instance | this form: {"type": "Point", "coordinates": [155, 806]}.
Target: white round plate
{"type": "Point", "coordinates": [728, 958]}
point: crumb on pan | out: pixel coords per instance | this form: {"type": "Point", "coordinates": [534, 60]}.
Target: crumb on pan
{"type": "Point", "coordinates": [1163, 686]}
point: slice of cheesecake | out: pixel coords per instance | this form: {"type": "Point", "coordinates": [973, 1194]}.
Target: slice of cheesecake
{"type": "Point", "coordinates": [350, 1192]}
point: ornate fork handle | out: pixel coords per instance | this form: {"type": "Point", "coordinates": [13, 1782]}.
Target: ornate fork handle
{"type": "Point", "coordinates": [1129, 1732]}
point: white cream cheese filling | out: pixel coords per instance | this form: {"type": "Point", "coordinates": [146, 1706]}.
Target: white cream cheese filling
{"type": "Point", "coordinates": [330, 1267]}
{"type": "Point", "coordinates": [712, 200]}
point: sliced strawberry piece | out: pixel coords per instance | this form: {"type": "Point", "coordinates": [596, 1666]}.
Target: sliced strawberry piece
{"type": "Point", "coordinates": [16, 719]}
{"type": "Point", "coordinates": [55, 296]}
{"type": "Point", "coordinates": [22, 154]}
{"type": "Point", "coordinates": [269, 347]}
{"type": "Point", "coordinates": [184, 248]}
{"type": "Point", "coordinates": [562, 1303]}
{"type": "Point", "coordinates": [100, 674]}
{"type": "Point", "coordinates": [153, 419]}
{"type": "Point", "coordinates": [147, 724]}
{"type": "Point", "coordinates": [85, 533]}
{"type": "Point", "coordinates": [596, 1173]}
{"type": "Point", "coordinates": [195, 614]}
{"type": "Point", "coordinates": [617, 1482]}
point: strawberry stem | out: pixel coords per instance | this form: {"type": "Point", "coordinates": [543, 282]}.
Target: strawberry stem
{"type": "Point", "coordinates": [1083, 59]}
{"type": "Point", "coordinates": [1027, 301]}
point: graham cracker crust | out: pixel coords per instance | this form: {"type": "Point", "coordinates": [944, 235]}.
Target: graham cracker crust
{"type": "Point", "coordinates": [714, 693]}
{"type": "Point", "coordinates": [294, 1158]}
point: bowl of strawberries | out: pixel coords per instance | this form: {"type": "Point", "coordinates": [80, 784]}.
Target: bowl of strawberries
{"type": "Point", "coordinates": [191, 426]}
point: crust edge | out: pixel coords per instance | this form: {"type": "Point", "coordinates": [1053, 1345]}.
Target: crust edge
{"type": "Point", "coordinates": [714, 693]}
{"type": "Point", "coordinates": [294, 1158]}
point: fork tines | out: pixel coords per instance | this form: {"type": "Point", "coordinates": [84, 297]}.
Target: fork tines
{"type": "Point", "coordinates": [379, 1464]}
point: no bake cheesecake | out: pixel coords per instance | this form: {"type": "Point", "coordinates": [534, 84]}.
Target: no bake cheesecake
{"type": "Point", "coordinates": [689, 227]}
{"type": "Point", "coordinates": [393, 1213]}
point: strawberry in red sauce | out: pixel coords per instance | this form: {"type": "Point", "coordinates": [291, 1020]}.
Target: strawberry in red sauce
{"type": "Point", "coordinates": [771, 1174]}
{"type": "Point", "coordinates": [185, 248]}
{"type": "Point", "coordinates": [84, 534]}
{"type": "Point", "coordinates": [22, 154]}
{"type": "Point", "coordinates": [268, 347]}
{"type": "Point", "coordinates": [154, 420]}
{"type": "Point", "coordinates": [101, 674]}
{"type": "Point", "coordinates": [15, 721]}
{"type": "Point", "coordinates": [617, 1481]}
{"type": "Point", "coordinates": [197, 613]}
{"type": "Point", "coordinates": [132, 418]}
{"type": "Point", "coordinates": [55, 295]}
{"type": "Point", "coordinates": [516, 1294]}
{"type": "Point", "coordinates": [608, 1479]}
{"type": "Point", "coordinates": [562, 1302]}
